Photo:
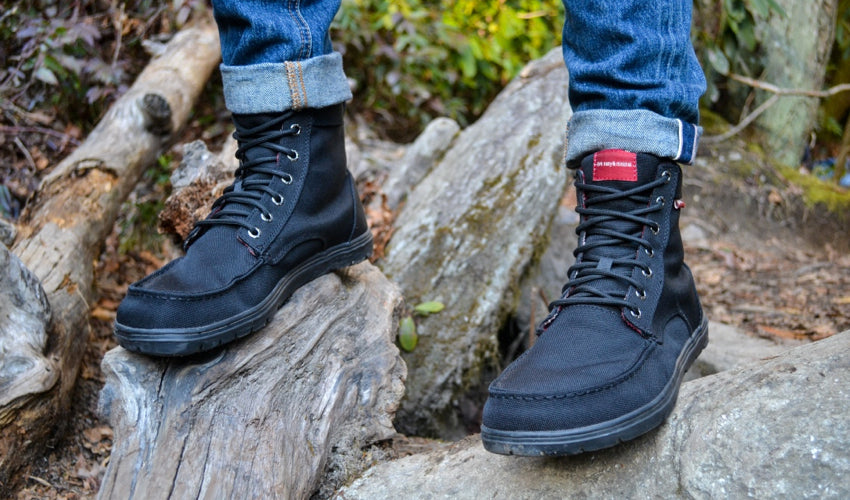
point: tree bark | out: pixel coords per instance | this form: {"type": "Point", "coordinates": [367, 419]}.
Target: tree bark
{"type": "Point", "coordinates": [76, 207]}
{"type": "Point", "coordinates": [270, 416]}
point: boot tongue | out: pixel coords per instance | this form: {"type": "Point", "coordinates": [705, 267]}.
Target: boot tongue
{"type": "Point", "coordinates": [621, 171]}
{"type": "Point", "coordinates": [259, 123]}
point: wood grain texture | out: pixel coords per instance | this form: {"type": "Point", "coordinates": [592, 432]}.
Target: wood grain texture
{"type": "Point", "coordinates": [265, 416]}
{"type": "Point", "coordinates": [75, 208]}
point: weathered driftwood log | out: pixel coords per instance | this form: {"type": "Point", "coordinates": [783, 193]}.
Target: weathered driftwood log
{"type": "Point", "coordinates": [24, 316]}
{"type": "Point", "coordinates": [76, 206]}
{"type": "Point", "coordinates": [467, 233]}
{"type": "Point", "coordinates": [776, 429]}
{"type": "Point", "coordinates": [259, 418]}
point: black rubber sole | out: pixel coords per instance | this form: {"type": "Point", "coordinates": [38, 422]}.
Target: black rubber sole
{"type": "Point", "coordinates": [172, 342]}
{"type": "Point", "coordinates": [604, 434]}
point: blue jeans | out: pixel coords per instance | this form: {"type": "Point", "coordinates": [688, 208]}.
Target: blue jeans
{"type": "Point", "coordinates": [635, 81]}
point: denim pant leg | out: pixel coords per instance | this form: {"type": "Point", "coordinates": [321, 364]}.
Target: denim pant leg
{"type": "Point", "coordinates": [635, 82]}
{"type": "Point", "coordinates": [277, 55]}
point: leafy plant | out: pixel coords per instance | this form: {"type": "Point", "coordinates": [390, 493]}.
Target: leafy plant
{"type": "Point", "coordinates": [417, 59]}
{"type": "Point", "coordinates": [407, 336]}
{"type": "Point", "coordinates": [731, 43]}
{"type": "Point", "coordinates": [430, 307]}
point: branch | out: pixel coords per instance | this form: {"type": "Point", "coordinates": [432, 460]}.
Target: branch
{"type": "Point", "coordinates": [777, 93]}
{"type": "Point", "coordinates": [784, 91]}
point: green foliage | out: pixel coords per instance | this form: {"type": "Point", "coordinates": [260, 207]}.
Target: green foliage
{"type": "Point", "coordinates": [430, 307]}
{"type": "Point", "coordinates": [138, 229]}
{"type": "Point", "coordinates": [407, 337]}
{"type": "Point", "coordinates": [413, 60]}
{"type": "Point", "coordinates": [731, 44]}
{"type": "Point", "coordinates": [70, 60]}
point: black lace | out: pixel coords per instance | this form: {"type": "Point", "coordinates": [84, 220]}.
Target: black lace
{"type": "Point", "coordinates": [253, 176]}
{"type": "Point", "coordinates": [601, 230]}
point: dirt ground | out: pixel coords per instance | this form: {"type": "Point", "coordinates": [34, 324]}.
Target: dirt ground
{"type": "Point", "coordinates": [773, 290]}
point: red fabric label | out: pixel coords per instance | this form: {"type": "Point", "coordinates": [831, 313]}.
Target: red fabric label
{"type": "Point", "coordinates": [615, 165]}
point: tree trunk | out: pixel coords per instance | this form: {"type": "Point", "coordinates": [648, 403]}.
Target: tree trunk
{"type": "Point", "coordinates": [260, 417]}
{"type": "Point", "coordinates": [76, 206]}
{"type": "Point", "coordinates": [797, 48]}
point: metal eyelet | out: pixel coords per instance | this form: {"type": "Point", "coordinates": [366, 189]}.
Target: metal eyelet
{"type": "Point", "coordinates": [649, 252]}
{"type": "Point", "coordinates": [660, 200]}
{"type": "Point", "coordinates": [266, 217]}
{"type": "Point", "coordinates": [254, 233]}
{"type": "Point", "coordinates": [636, 314]}
{"type": "Point", "coordinates": [277, 200]}
{"type": "Point", "coordinates": [641, 294]}
{"type": "Point", "coordinates": [655, 229]}
{"type": "Point", "coordinates": [296, 128]}
{"type": "Point", "coordinates": [293, 156]}
{"type": "Point", "coordinates": [286, 179]}
{"type": "Point", "coordinates": [647, 272]}
{"type": "Point", "coordinates": [666, 175]}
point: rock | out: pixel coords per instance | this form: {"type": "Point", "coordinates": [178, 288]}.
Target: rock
{"type": "Point", "coordinates": [547, 277]}
{"type": "Point", "coordinates": [24, 319]}
{"type": "Point", "coordinates": [730, 348]}
{"type": "Point", "coordinates": [418, 159]}
{"type": "Point", "coordinates": [467, 233]}
{"type": "Point", "coordinates": [271, 416]}
{"type": "Point", "coordinates": [775, 429]}
{"type": "Point", "coordinates": [7, 232]}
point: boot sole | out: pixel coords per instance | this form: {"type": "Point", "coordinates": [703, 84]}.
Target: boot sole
{"type": "Point", "coordinates": [605, 434]}
{"type": "Point", "coordinates": [172, 342]}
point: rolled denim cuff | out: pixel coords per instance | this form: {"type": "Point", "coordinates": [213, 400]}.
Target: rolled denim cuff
{"type": "Point", "coordinates": [640, 131]}
{"type": "Point", "coordinates": [273, 87]}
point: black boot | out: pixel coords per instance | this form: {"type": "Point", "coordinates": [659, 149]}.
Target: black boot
{"type": "Point", "coordinates": [610, 356]}
{"type": "Point", "coordinates": [291, 215]}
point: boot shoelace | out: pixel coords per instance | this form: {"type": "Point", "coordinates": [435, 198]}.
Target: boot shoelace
{"type": "Point", "coordinates": [599, 231]}
{"type": "Point", "coordinates": [252, 178]}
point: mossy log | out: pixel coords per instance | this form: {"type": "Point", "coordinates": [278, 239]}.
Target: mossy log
{"type": "Point", "coordinates": [63, 228]}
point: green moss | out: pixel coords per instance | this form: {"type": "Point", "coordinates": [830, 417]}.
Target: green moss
{"type": "Point", "coordinates": [712, 123]}
{"type": "Point", "coordinates": [817, 192]}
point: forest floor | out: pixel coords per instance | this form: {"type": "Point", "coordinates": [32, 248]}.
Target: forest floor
{"type": "Point", "coordinates": [777, 289]}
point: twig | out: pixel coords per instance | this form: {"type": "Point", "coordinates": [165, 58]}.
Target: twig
{"type": "Point", "coordinates": [777, 93]}
{"type": "Point", "coordinates": [5, 129]}
{"type": "Point", "coordinates": [712, 139]}
{"type": "Point", "coordinates": [786, 91]}
{"type": "Point", "coordinates": [26, 153]}
{"type": "Point", "coordinates": [41, 481]}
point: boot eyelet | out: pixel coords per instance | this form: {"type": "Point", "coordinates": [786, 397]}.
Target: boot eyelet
{"type": "Point", "coordinates": [293, 156]}
{"type": "Point", "coordinates": [266, 217]}
{"type": "Point", "coordinates": [286, 179]}
{"type": "Point", "coordinates": [277, 200]}
{"type": "Point", "coordinates": [666, 175]}
{"type": "Point", "coordinates": [655, 229]}
{"type": "Point", "coordinates": [660, 200]}
{"type": "Point", "coordinates": [649, 252]}
{"type": "Point", "coordinates": [296, 128]}
{"type": "Point", "coordinates": [641, 294]}
{"type": "Point", "coordinates": [636, 314]}
{"type": "Point", "coordinates": [254, 233]}
{"type": "Point", "coordinates": [647, 273]}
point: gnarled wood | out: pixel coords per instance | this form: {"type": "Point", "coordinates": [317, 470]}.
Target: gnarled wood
{"type": "Point", "coordinates": [76, 206]}
{"type": "Point", "coordinates": [260, 417]}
